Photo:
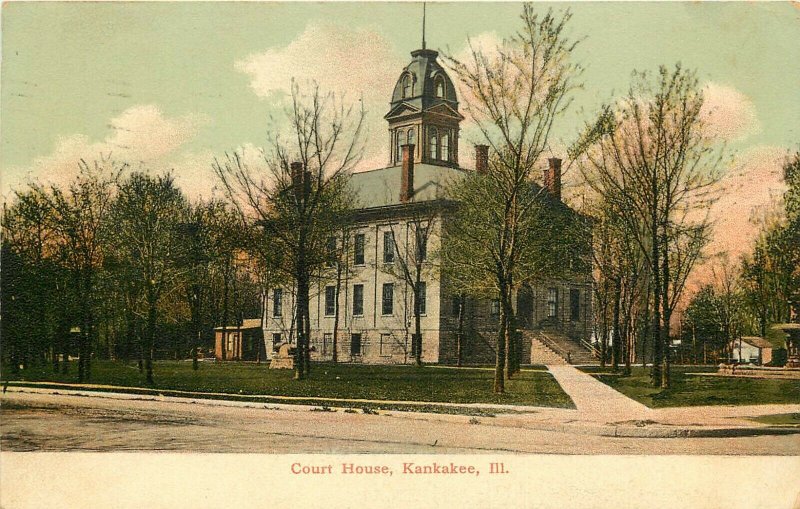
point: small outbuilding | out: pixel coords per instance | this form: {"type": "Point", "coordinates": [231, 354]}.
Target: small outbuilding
{"type": "Point", "coordinates": [244, 342]}
{"type": "Point", "coordinates": [751, 350]}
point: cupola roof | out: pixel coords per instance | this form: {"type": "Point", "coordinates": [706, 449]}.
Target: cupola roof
{"type": "Point", "coordinates": [424, 84]}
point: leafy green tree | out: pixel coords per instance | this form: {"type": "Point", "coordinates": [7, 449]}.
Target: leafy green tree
{"type": "Point", "coordinates": [79, 218]}
{"type": "Point", "coordinates": [147, 216]}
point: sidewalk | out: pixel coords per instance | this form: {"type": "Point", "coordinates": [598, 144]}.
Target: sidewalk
{"type": "Point", "coordinates": [596, 400]}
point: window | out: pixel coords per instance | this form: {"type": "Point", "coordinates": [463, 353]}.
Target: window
{"type": "Point", "coordinates": [277, 302]}
{"type": "Point", "coordinates": [411, 139]}
{"type": "Point", "coordinates": [355, 344]}
{"type": "Point", "coordinates": [277, 339]}
{"type": "Point", "coordinates": [400, 137]}
{"type": "Point", "coordinates": [495, 309]}
{"type": "Point", "coordinates": [358, 249]}
{"type": "Point", "coordinates": [331, 252]}
{"type": "Point", "coordinates": [388, 247]}
{"type": "Point", "coordinates": [574, 304]}
{"type": "Point", "coordinates": [327, 340]}
{"type": "Point", "coordinates": [445, 147]}
{"type": "Point", "coordinates": [439, 87]}
{"type": "Point", "coordinates": [422, 297]}
{"type": "Point", "coordinates": [385, 346]}
{"type": "Point", "coordinates": [330, 300]}
{"type": "Point", "coordinates": [387, 302]}
{"type": "Point", "coordinates": [434, 144]}
{"type": "Point", "coordinates": [408, 86]}
{"type": "Point", "coordinates": [358, 300]}
{"type": "Point", "coordinates": [421, 240]}
{"type": "Point", "coordinates": [456, 305]}
{"type": "Point", "coordinates": [552, 302]}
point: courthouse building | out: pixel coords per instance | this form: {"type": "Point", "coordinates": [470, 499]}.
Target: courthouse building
{"type": "Point", "coordinates": [375, 304]}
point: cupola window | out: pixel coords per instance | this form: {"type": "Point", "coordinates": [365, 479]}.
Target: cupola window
{"type": "Point", "coordinates": [439, 87]}
{"type": "Point", "coordinates": [445, 147]}
{"type": "Point", "coordinates": [434, 143]}
{"type": "Point", "coordinates": [412, 137]}
{"type": "Point", "coordinates": [408, 86]}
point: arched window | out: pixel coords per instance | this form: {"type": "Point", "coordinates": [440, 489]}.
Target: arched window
{"type": "Point", "coordinates": [439, 86]}
{"type": "Point", "coordinates": [408, 86]}
{"type": "Point", "coordinates": [445, 147]}
{"type": "Point", "coordinates": [412, 137]}
{"type": "Point", "coordinates": [434, 143]}
{"type": "Point", "coordinates": [400, 138]}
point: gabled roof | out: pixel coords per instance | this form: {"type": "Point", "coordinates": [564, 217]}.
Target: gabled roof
{"type": "Point", "coordinates": [756, 341]}
{"type": "Point", "coordinates": [402, 109]}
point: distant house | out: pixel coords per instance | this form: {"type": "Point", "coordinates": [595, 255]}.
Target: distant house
{"type": "Point", "coordinates": [751, 349]}
{"type": "Point", "coordinates": [241, 342]}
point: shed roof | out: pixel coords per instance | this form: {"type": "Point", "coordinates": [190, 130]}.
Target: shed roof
{"type": "Point", "coordinates": [247, 323]}
{"type": "Point", "coordinates": [757, 341]}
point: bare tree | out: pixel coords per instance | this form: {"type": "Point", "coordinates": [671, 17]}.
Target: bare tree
{"type": "Point", "coordinates": [300, 194]}
{"type": "Point", "coordinates": [654, 163]}
{"type": "Point", "coordinates": [415, 262]}
{"type": "Point", "coordinates": [513, 96]}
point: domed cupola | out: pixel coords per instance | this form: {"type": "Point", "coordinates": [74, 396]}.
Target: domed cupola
{"type": "Point", "coordinates": [424, 112]}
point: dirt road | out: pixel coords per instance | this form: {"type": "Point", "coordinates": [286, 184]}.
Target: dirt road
{"type": "Point", "coordinates": [47, 422]}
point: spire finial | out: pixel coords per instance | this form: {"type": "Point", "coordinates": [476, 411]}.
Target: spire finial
{"type": "Point", "coordinates": [423, 25]}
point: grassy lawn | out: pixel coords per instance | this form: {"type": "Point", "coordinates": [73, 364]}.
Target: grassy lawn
{"type": "Point", "coordinates": [694, 390]}
{"type": "Point", "coordinates": [398, 383]}
{"type": "Point", "coordinates": [790, 420]}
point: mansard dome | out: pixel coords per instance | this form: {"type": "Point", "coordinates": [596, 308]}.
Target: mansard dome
{"type": "Point", "coordinates": [424, 83]}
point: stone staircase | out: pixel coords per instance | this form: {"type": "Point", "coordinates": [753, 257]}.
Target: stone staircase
{"type": "Point", "coordinates": [549, 347]}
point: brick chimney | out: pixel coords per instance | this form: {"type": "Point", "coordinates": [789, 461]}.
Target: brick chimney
{"type": "Point", "coordinates": [482, 158]}
{"type": "Point", "coordinates": [297, 178]}
{"type": "Point", "coordinates": [407, 177]}
{"type": "Point", "coordinates": [552, 177]}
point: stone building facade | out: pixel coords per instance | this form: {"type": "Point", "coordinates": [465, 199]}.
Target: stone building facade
{"type": "Point", "coordinates": [375, 299]}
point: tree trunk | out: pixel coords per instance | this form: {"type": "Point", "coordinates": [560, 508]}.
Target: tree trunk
{"type": "Point", "coordinates": [617, 337]}
{"type": "Point", "coordinates": [336, 313]}
{"type": "Point", "coordinates": [666, 312]}
{"type": "Point", "coordinates": [307, 338]}
{"type": "Point", "coordinates": [511, 339]}
{"type": "Point", "coordinates": [416, 341]}
{"type": "Point", "coordinates": [460, 333]}
{"type": "Point", "coordinates": [301, 319]}
{"type": "Point", "coordinates": [656, 318]}
{"type": "Point", "coordinates": [225, 317]}
{"type": "Point", "coordinates": [500, 359]}
{"type": "Point", "coordinates": [150, 334]}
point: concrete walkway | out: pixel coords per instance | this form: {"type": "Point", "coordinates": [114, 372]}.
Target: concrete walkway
{"type": "Point", "coordinates": [594, 399]}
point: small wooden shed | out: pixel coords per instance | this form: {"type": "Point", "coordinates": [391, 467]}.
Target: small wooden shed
{"type": "Point", "coordinates": [751, 349]}
{"type": "Point", "coordinates": [241, 342]}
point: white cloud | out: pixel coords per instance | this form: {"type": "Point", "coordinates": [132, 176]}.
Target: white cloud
{"type": "Point", "coordinates": [140, 135]}
{"type": "Point", "coordinates": [340, 59]}
{"type": "Point", "coordinates": [730, 114]}
{"type": "Point", "coordinates": [358, 63]}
